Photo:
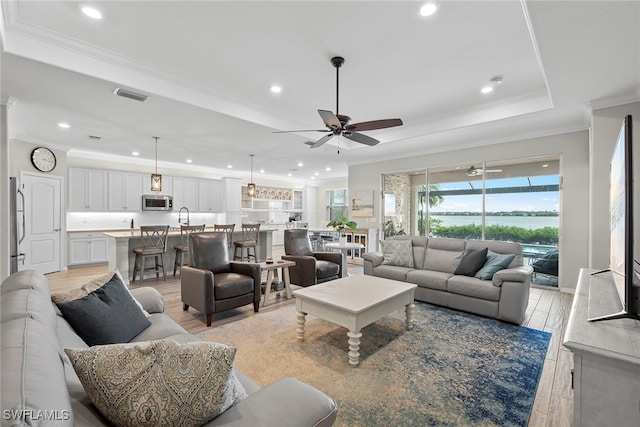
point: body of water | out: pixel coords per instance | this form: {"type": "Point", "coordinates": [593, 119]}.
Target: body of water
{"type": "Point", "coordinates": [527, 222]}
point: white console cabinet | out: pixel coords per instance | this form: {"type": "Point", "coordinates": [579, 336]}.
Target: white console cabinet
{"type": "Point", "coordinates": [606, 356]}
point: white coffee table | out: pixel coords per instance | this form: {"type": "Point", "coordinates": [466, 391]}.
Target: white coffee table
{"type": "Point", "coordinates": [354, 302]}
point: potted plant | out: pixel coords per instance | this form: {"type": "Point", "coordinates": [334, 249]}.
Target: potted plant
{"type": "Point", "coordinates": [341, 225]}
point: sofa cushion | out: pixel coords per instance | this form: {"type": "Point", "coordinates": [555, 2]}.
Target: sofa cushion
{"type": "Point", "coordinates": [159, 382]}
{"type": "Point", "coordinates": [495, 262]}
{"type": "Point", "coordinates": [230, 285]}
{"type": "Point", "coordinates": [473, 287]}
{"type": "Point", "coordinates": [471, 262]}
{"type": "Point", "coordinates": [392, 272]}
{"type": "Point", "coordinates": [397, 252]}
{"type": "Point", "coordinates": [107, 315]}
{"type": "Point", "coordinates": [429, 279]}
{"type": "Point", "coordinates": [443, 254]}
{"type": "Point", "coordinates": [326, 269]}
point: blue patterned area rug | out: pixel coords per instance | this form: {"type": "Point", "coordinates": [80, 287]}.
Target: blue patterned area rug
{"type": "Point", "coordinates": [452, 369]}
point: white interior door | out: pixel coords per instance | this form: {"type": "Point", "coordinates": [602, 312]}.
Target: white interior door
{"type": "Point", "coordinates": [41, 244]}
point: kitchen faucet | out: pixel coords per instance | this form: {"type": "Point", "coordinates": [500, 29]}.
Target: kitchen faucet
{"type": "Point", "coordinates": [180, 215]}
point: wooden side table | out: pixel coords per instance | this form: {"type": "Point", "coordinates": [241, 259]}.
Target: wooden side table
{"type": "Point", "coordinates": [272, 270]}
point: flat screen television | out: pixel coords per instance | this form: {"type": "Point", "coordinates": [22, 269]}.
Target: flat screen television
{"type": "Point", "coordinates": [622, 259]}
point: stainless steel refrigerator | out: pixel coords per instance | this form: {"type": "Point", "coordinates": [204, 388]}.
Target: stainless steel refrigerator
{"type": "Point", "coordinates": [16, 223]}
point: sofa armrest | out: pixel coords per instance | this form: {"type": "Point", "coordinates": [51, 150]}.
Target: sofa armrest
{"type": "Point", "coordinates": [515, 274]}
{"type": "Point", "coordinates": [375, 258]}
{"type": "Point", "coordinates": [152, 300]}
{"type": "Point", "coordinates": [196, 288]}
{"type": "Point", "coordinates": [287, 402]}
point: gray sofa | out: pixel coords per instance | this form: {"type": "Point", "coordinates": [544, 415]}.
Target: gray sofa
{"type": "Point", "coordinates": [40, 387]}
{"type": "Point", "coordinates": [435, 260]}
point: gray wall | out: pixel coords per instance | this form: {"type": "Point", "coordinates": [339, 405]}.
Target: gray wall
{"type": "Point", "coordinates": [573, 149]}
{"type": "Point", "coordinates": [605, 126]}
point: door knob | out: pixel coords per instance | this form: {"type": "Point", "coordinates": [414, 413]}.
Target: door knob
{"type": "Point", "coordinates": [56, 229]}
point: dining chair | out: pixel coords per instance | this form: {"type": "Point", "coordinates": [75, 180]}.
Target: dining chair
{"type": "Point", "coordinates": [248, 241]}
{"type": "Point", "coordinates": [154, 244]}
{"type": "Point", "coordinates": [227, 228]}
{"type": "Point", "coordinates": [182, 248]}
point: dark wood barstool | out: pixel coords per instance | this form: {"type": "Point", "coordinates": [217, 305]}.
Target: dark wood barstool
{"type": "Point", "coordinates": [182, 248]}
{"type": "Point", "coordinates": [249, 240]}
{"type": "Point", "coordinates": [154, 244]}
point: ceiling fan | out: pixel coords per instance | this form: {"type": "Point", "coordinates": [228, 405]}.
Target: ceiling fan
{"type": "Point", "coordinates": [338, 124]}
{"type": "Point", "coordinates": [474, 171]}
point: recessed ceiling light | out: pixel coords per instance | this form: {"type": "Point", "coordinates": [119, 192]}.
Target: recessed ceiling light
{"type": "Point", "coordinates": [229, 166]}
{"type": "Point", "coordinates": [261, 170]}
{"type": "Point", "coordinates": [313, 177]}
{"type": "Point", "coordinates": [487, 89]}
{"type": "Point", "coordinates": [300, 164]}
{"type": "Point", "coordinates": [276, 89]}
{"type": "Point", "coordinates": [92, 12]}
{"type": "Point", "coordinates": [496, 81]}
{"type": "Point", "coordinates": [189, 161]}
{"type": "Point", "coordinates": [428, 9]}
{"type": "Point", "coordinates": [289, 174]}
{"type": "Point", "coordinates": [64, 125]}
{"type": "Point", "coordinates": [545, 165]}
{"type": "Point", "coordinates": [316, 174]}
{"type": "Point", "coordinates": [135, 153]}
{"type": "Point", "coordinates": [328, 169]}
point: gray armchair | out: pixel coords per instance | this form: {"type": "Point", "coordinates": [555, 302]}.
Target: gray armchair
{"type": "Point", "coordinates": [311, 267]}
{"type": "Point", "coordinates": [213, 283]}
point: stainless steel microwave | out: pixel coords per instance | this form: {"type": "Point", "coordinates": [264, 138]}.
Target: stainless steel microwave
{"type": "Point", "coordinates": [157, 202]}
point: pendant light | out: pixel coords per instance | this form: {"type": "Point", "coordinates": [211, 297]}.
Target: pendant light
{"type": "Point", "coordinates": [156, 179]}
{"type": "Point", "coordinates": [251, 187]}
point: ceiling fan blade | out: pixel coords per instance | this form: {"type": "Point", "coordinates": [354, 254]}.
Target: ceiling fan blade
{"type": "Point", "coordinates": [361, 138]}
{"type": "Point", "coordinates": [302, 130]}
{"type": "Point", "coordinates": [330, 119]}
{"type": "Point", "coordinates": [322, 140]}
{"type": "Point", "coordinates": [374, 124]}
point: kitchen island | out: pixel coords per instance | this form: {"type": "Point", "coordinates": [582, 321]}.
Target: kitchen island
{"type": "Point", "coordinates": [122, 243]}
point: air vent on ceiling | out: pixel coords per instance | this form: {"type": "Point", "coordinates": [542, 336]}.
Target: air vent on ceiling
{"type": "Point", "coordinates": [94, 138]}
{"type": "Point", "coordinates": [129, 94]}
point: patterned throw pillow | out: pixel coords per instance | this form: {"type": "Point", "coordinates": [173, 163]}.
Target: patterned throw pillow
{"type": "Point", "coordinates": [159, 382]}
{"type": "Point", "coordinates": [397, 252]}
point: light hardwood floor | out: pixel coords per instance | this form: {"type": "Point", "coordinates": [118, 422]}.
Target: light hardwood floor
{"type": "Point", "coordinates": [548, 310]}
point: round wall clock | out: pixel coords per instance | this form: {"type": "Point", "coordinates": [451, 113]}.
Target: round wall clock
{"type": "Point", "coordinates": [43, 159]}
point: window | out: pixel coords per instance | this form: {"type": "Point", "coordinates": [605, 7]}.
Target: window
{"type": "Point", "coordinates": [516, 201]}
{"type": "Point", "coordinates": [337, 204]}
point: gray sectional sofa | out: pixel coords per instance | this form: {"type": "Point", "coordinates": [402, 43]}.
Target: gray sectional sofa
{"type": "Point", "coordinates": [41, 388]}
{"type": "Point", "coordinates": [435, 260]}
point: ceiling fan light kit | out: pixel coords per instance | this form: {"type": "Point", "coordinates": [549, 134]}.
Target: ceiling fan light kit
{"type": "Point", "coordinates": [338, 124]}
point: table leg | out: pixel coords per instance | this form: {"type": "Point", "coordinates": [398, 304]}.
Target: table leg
{"type": "Point", "coordinates": [267, 287]}
{"type": "Point", "coordinates": [300, 318]}
{"type": "Point", "coordinates": [287, 281]}
{"type": "Point", "coordinates": [345, 262]}
{"type": "Point", "coordinates": [408, 309]}
{"type": "Point", "coordinates": [354, 347]}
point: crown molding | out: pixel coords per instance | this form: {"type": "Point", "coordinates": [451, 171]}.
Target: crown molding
{"type": "Point", "coordinates": [615, 101]}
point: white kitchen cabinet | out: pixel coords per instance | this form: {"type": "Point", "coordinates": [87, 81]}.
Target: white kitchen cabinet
{"type": "Point", "coordinates": [87, 190]}
{"type": "Point", "coordinates": [125, 191]}
{"type": "Point", "coordinates": [185, 193]}
{"type": "Point", "coordinates": [298, 199]}
{"type": "Point", "coordinates": [88, 248]}
{"type": "Point", "coordinates": [210, 195]}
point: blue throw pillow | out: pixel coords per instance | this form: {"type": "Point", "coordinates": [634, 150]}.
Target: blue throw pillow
{"type": "Point", "coordinates": [108, 315]}
{"type": "Point", "coordinates": [495, 262]}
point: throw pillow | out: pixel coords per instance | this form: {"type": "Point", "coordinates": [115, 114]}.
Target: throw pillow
{"type": "Point", "coordinates": [90, 286]}
{"type": "Point", "coordinates": [107, 315]}
{"type": "Point", "coordinates": [159, 382]}
{"type": "Point", "coordinates": [397, 252]}
{"type": "Point", "coordinates": [495, 262]}
{"type": "Point", "coordinates": [471, 262]}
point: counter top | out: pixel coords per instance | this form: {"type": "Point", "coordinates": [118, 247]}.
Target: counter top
{"type": "Point", "coordinates": [135, 232]}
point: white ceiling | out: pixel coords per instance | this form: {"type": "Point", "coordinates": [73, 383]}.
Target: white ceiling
{"type": "Point", "coordinates": [207, 67]}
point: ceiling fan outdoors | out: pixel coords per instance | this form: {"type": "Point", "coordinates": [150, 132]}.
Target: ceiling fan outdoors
{"type": "Point", "coordinates": [338, 124]}
{"type": "Point", "coordinates": [474, 171]}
